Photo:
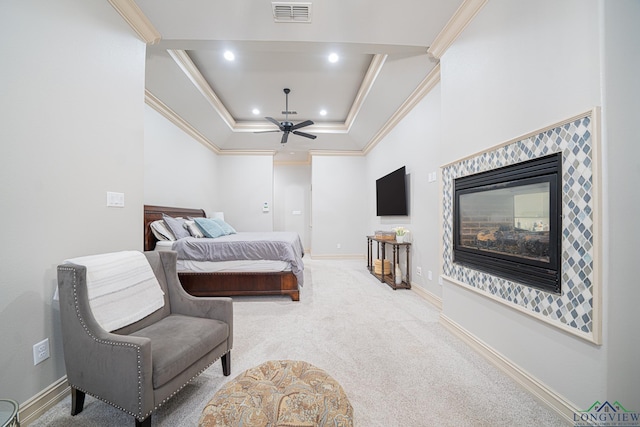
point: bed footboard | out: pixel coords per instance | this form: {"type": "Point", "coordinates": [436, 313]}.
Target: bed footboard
{"type": "Point", "coordinates": [240, 284]}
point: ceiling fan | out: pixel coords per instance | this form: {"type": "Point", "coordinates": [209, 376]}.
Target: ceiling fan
{"type": "Point", "coordinates": [287, 127]}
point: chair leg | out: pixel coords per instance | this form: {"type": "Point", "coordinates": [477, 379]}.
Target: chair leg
{"type": "Point", "coordinates": [226, 364]}
{"type": "Point", "coordinates": [144, 423]}
{"type": "Point", "coordinates": [77, 401]}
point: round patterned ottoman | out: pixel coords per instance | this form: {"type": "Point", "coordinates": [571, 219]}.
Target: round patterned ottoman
{"type": "Point", "coordinates": [279, 393]}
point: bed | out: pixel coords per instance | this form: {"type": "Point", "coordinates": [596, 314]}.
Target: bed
{"type": "Point", "coordinates": [198, 279]}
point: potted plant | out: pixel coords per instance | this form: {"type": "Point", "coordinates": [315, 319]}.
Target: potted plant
{"type": "Point", "coordinates": [400, 233]}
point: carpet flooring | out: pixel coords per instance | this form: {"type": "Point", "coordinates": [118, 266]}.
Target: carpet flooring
{"type": "Point", "coordinates": [396, 363]}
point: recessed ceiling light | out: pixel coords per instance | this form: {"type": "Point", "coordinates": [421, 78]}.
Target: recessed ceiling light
{"type": "Point", "coordinates": [229, 56]}
{"type": "Point", "coordinates": [333, 57]}
{"type": "Point", "coordinates": [323, 112]}
{"type": "Point", "coordinates": [255, 111]}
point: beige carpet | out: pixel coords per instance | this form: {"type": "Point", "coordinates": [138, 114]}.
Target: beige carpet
{"type": "Point", "coordinates": [397, 365]}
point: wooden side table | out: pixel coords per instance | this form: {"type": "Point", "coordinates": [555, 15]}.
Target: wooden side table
{"type": "Point", "coordinates": [9, 413]}
{"type": "Point", "coordinates": [381, 254]}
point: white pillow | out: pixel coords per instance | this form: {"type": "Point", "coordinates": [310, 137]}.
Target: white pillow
{"type": "Point", "coordinates": [193, 228]}
{"type": "Point", "coordinates": [161, 231]}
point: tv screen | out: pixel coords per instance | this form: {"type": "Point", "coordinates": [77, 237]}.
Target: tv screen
{"type": "Point", "coordinates": [391, 194]}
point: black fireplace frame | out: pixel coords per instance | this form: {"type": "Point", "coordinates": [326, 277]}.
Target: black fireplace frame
{"type": "Point", "coordinates": [542, 275]}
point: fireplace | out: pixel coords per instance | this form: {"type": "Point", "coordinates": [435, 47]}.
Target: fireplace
{"type": "Point", "coordinates": [508, 222]}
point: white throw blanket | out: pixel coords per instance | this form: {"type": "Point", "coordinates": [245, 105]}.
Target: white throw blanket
{"type": "Point", "coordinates": [121, 286]}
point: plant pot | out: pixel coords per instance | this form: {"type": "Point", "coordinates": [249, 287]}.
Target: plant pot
{"type": "Point", "coordinates": [400, 239]}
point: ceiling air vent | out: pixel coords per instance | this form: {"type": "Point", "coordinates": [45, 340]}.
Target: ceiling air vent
{"type": "Point", "coordinates": [291, 11]}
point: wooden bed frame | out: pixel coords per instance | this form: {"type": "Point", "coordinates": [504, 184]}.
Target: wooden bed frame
{"type": "Point", "coordinates": [221, 284]}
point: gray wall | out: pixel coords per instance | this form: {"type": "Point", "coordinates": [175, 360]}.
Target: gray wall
{"type": "Point", "coordinates": [181, 172]}
{"type": "Point", "coordinates": [71, 87]}
{"type": "Point", "coordinates": [178, 171]}
{"type": "Point", "coordinates": [339, 203]}
{"type": "Point", "coordinates": [518, 67]}
{"type": "Point", "coordinates": [416, 144]}
{"type": "Point", "coordinates": [621, 93]}
{"type": "Point", "coordinates": [244, 184]}
{"type": "Point", "coordinates": [509, 91]}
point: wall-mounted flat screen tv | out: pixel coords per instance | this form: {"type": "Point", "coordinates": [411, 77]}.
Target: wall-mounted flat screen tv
{"type": "Point", "coordinates": [391, 194]}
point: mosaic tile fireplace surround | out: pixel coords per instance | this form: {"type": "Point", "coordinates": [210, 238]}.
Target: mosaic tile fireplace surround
{"type": "Point", "coordinates": [576, 308]}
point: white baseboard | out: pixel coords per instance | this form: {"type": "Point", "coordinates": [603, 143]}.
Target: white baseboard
{"type": "Point", "coordinates": [33, 408]}
{"type": "Point", "coordinates": [434, 299]}
{"type": "Point", "coordinates": [539, 390]}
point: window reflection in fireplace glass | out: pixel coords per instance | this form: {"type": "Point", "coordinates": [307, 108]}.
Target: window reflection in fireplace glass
{"type": "Point", "coordinates": [509, 220]}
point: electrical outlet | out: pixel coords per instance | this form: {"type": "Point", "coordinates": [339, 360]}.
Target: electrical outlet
{"type": "Point", "coordinates": [440, 280]}
{"type": "Point", "coordinates": [430, 275]}
{"type": "Point", "coordinates": [41, 351]}
{"type": "Point", "coordinates": [338, 246]}
{"type": "Point", "coordinates": [419, 271]}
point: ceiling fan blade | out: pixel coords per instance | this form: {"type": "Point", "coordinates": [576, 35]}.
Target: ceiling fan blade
{"type": "Point", "coordinates": [302, 124]}
{"type": "Point", "coordinates": [275, 122]}
{"type": "Point", "coordinates": [285, 136]}
{"type": "Point", "coordinates": [267, 131]}
{"type": "Point", "coordinates": [306, 135]}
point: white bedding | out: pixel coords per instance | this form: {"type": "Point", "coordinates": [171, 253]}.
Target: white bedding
{"type": "Point", "coordinates": [249, 266]}
{"type": "Point", "coordinates": [261, 266]}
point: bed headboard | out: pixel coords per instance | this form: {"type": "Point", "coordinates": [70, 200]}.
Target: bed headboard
{"type": "Point", "coordinates": [153, 213]}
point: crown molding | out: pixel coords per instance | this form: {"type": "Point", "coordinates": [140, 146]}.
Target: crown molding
{"type": "Point", "coordinates": [247, 152]}
{"type": "Point", "coordinates": [377, 62]}
{"type": "Point", "coordinates": [458, 22]}
{"type": "Point", "coordinates": [425, 86]}
{"type": "Point", "coordinates": [187, 66]}
{"type": "Point", "coordinates": [335, 153]}
{"type": "Point", "coordinates": [261, 126]}
{"type": "Point", "coordinates": [185, 63]}
{"type": "Point", "coordinates": [137, 20]}
{"type": "Point", "coordinates": [155, 103]}
{"type": "Point", "coordinates": [192, 72]}
{"type": "Point", "coordinates": [152, 101]}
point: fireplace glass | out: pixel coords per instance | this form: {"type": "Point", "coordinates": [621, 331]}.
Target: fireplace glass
{"type": "Point", "coordinates": [513, 220]}
{"type": "Point", "coordinates": [507, 222]}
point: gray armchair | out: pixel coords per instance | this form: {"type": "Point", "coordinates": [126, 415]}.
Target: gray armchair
{"type": "Point", "coordinates": [140, 366]}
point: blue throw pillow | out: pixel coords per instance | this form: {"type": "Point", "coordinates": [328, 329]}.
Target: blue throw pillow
{"type": "Point", "coordinates": [209, 227]}
{"type": "Point", "coordinates": [226, 228]}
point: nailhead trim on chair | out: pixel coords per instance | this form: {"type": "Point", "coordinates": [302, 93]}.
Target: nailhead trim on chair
{"type": "Point", "coordinates": [138, 416]}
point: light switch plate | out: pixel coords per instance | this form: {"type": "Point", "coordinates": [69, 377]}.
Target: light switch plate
{"type": "Point", "coordinates": [115, 200]}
